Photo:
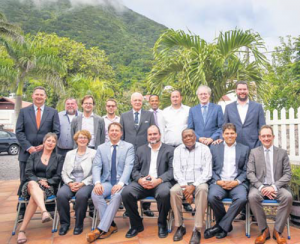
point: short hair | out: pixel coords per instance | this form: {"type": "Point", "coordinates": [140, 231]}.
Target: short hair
{"type": "Point", "coordinates": [82, 132]}
{"type": "Point", "coordinates": [136, 93]}
{"type": "Point", "coordinates": [87, 97]}
{"type": "Point", "coordinates": [155, 126]}
{"type": "Point", "coordinates": [204, 86]}
{"type": "Point", "coordinates": [266, 127]}
{"type": "Point", "coordinates": [117, 124]}
{"type": "Point", "coordinates": [228, 126]}
{"type": "Point", "coordinates": [176, 91]}
{"type": "Point", "coordinates": [39, 88]}
{"type": "Point", "coordinates": [50, 134]}
{"type": "Point", "coordinates": [188, 129]}
{"type": "Point", "coordinates": [71, 98]}
{"type": "Point", "coordinates": [153, 95]}
{"type": "Point", "coordinates": [241, 82]}
{"type": "Point", "coordinates": [111, 100]}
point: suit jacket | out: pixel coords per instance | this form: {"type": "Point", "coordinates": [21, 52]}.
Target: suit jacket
{"type": "Point", "coordinates": [102, 162]}
{"type": "Point", "coordinates": [164, 163]}
{"type": "Point", "coordinates": [137, 137]}
{"type": "Point", "coordinates": [213, 125]}
{"type": "Point", "coordinates": [26, 129]}
{"type": "Point", "coordinates": [86, 164]}
{"type": "Point", "coordinates": [241, 159]}
{"type": "Point", "coordinates": [99, 128]}
{"type": "Point", "coordinates": [53, 170]}
{"type": "Point", "coordinates": [256, 168]}
{"type": "Point", "coordinates": [247, 133]}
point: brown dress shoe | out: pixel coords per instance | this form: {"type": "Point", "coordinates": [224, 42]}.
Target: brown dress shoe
{"type": "Point", "coordinates": [263, 237]}
{"type": "Point", "coordinates": [278, 238]}
{"type": "Point", "coordinates": [93, 236]}
{"type": "Point", "coordinates": [112, 229]}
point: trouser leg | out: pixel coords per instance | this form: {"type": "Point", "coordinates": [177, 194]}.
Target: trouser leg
{"type": "Point", "coordinates": [255, 198]}
{"type": "Point", "coordinates": [176, 204]}
{"type": "Point", "coordinates": [200, 204]}
{"type": "Point", "coordinates": [215, 197]}
{"type": "Point", "coordinates": [162, 196]}
{"type": "Point", "coordinates": [64, 195]}
{"type": "Point", "coordinates": [81, 203]}
{"type": "Point", "coordinates": [285, 199]}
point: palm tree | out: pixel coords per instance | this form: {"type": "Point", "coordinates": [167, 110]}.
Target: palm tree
{"type": "Point", "coordinates": [184, 61]}
{"type": "Point", "coordinates": [8, 30]}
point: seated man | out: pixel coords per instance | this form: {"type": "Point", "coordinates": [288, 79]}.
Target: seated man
{"type": "Point", "coordinates": [229, 181]}
{"type": "Point", "coordinates": [192, 169]}
{"type": "Point", "coordinates": [112, 167]}
{"type": "Point", "coordinates": [152, 176]}
{"type": "Point", "coordinates": [269, 172]}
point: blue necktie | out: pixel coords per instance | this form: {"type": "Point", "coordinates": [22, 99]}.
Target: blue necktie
{"type": "Point", "coordinates": [113, 178]}
{"type": "Point", "coordinates": [136, 120]}
{"type": "Point", "coordinates": [204, 114]}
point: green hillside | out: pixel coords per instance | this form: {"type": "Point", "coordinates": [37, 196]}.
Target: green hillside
{"type": "Point", "coordinates": [126, 36]}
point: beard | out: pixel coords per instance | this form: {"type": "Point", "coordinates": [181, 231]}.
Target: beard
{"type": "Point", "coordinates": [71, 111]}
{"type": "Point", "coordinates": [242, 99]}
{"type": "Point", "coordinates": [154, 141]}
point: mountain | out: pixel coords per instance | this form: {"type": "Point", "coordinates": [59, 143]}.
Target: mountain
{"type": "Point", "coordinates": [126, 36]}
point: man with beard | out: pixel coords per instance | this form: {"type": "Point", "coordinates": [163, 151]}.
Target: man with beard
{"type": "Point", "coordinates": [110, 117]}
{"type": "Point", "coordinates": [152, 176]}
{"type": "Point", "coordinates": [65, 141]}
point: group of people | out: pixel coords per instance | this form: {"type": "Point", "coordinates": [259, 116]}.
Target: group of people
{"type": "Point", "coordinates": [179, 154]}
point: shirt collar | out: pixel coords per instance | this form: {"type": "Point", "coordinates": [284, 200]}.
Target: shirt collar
{"type": "Point", "coordinates": [42, 107]}
{"type": "Point", "coordinates": [149, 145]}
{"type": "Point", "coordinates": [118, 144]}
{"type": "Point", "coordinates": [106, 117]}
{"type": "Point", "coordinates": [92, 115]}
{"type": "Point", "coordinates": [136, 111]}
{"type": "Point", "coordinates": [271, 148]}
{"type": "Point", "coordinates": [76, 113]}
{"type": "Point", "coordinates": [247, 103]}
{"type": "Point", "coordinates": [202, 105]}
{"type": "Point", "coordinates": [233, 145]}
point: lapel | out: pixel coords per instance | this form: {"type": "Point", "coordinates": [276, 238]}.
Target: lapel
{"type": "Point", "coordinates": [80, 117]}
{"type": "Point", "coordinates": [45, 115]}
{"type": "Point", "coordinates": [275, 160]}
{"type": "Point", "coordinates": [108, 154]}
{"type": "Point", "coordinates": [262, 154]}
{"type": "Point", "coordinates": [209, 111]}
{"type": "Point", "coordinates": [200, 114]}
{"type": "Point", "coordinates": [51, 161]}
{"type": "Point", "coordinates": [251, 106]}
{"type": "Point", "coordinates": [130, 119]}
{"type": "Point", "coordinates": [32, 115]}
{"type": "Point", "coordinates": [159, 156]}
{"type": "Point", "coordinates": [95, 127]}
{"type": "Point", "coordinates": [237, 155]}
{"type": "Point", "coordinates": [222, 151]}
{"type": "Point", "coordinates": [148, 160]}
{"type": "Point", "coordinates": [119, 150]}
{"type": "Point", "coordinates": [237, 116]}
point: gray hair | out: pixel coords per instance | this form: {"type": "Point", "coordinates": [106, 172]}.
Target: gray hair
{"type": "Point", "coordinates": [50, 134]}
{"type": "Point", "coordinates": [205, 87]}
{"type": "Point", "coordinates": [136, 94]}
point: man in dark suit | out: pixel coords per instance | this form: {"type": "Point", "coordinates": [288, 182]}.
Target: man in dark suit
{"type": "Point", "coordinates": [152, 176]}
{"type": "Point", "coordinates": [269, 172]}
{"type": "Point", "coordinates": [206, 119]}
{"type": "Point", "coordinates": [33, 123]}
{"type": "Point", "coordinates": [229, 180]}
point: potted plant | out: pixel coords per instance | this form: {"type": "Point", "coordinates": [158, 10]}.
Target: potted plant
{"type": "Point", "coordinates": [295, 187]}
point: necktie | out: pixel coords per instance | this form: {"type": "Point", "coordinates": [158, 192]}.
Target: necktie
{"type": "Point", "coordinates": [268, 165]}
{"type": "Point", "coordinates": [204, 114]}
{"type": "Point", "coordinates": [38, 117]}
{"type": "Point", "coordinates": [155, 116]}
{"type": "Point", "coordinates": [113, 178]}
{"type": "Point", "coordinates": [136, 120]}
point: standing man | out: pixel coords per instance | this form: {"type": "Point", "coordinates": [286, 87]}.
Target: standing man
{"type": "Point", "coordinates": [110, 117]}
{"type": "Point", "coordinates": [152, 176]}
{"type": "Point", "coordinates": [65, 142]}
{"type": "Point", "coordinates": [206, 119]}
{"type": "Point", "coordinates": [33, 123]}
{"type": "Point", "coordinates": [192, 171]}
{"type": "Point", "coordinates": [90, 122]}
{"type": "Point", "coordinates": [111, 172]}
{"type": "Point", "coordinates": [229, 180]}
{"type": "Point", "coordinates": [154, 104]}
{"type": "Point", "coordinates": [269, 172]}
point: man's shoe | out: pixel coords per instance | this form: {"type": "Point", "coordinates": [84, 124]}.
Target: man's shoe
{"type": "Point", "coordinates": [93, 236]}
{"type": "Point", "coordinates": [196, 237]}
{"type": "Point", "coordinates": [188, 207]}
{"type": "Point", "coordinates": [162, 232]}
{"type": "Point", "coordinates": [211, 232]}
{"type": "Point", "coordinates": [265, 235]}
{"type": "Point", "coordinates": [111, 230]}
{"type": "Point", "coordinates": [63, 230]}
{"type": "Point", "coordinates": [240, 217]}
{"type": "Point", "coordinates": [77, 230]}
{"type": "Point", "coordinates": [148, 212]}
{"type": "Point", "coordinates": [133, 232]}
{"type": "Point", "coordinates": [278, 237]}
{"type": "Point", "coordinates": [180, 232]}
{"type": "Point", "coordinates": [221, 234]}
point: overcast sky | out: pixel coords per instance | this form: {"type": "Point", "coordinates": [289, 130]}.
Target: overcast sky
{"type": "Point", "coordinates": [270, 18]}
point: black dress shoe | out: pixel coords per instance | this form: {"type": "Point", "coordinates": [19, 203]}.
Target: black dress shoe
{"type": "Point", "coordinates": [63, 230]}
{"type": "Point", "coordinates": [180, 232]}
{"type": "Point", "coordinates": [221, 234]}
{"type": "Point", "coordinates": [148, 212]}
{"type": "Point", "coordinates": [196, 237]}
{"type": "Point", "coordinates": [77, 230]}
{"type": "Point", "coordinates": [187, 207]}
{"type": "Point", "coordinates": [133, 232]}
{"type": "Point", "coordinates": [162, 232]}
{"type": "Point", "coordinates": [211, 232]}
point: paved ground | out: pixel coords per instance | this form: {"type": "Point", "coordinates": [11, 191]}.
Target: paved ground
{"type": "Point", "coordinates": [9, 167]}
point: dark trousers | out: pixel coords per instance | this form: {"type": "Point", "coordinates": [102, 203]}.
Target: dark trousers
{"type": "Point", "coordinates": [239, 199]}
{"type": "Point", "coordinates": [134, 192]}
{"type": "Point", "coordinates": [82, 196]}
{"type": "Point", "coordinates": [62, 152]}
{"type": "Point", "coordinates": [22, 166]}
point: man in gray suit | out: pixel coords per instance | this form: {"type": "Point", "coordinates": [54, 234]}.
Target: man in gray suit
{"type": "Point", "coordinates": [90, 122]}
{"type": "Point", "coordinates": [112, 167]}
{"type": "Point", "coordinates": [229, 181]}
{"type": "Point", "coordinates": [152, 176]}
{"type": "Point", "coordinates": [269, 173]}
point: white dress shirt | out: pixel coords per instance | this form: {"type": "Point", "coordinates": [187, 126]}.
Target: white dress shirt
{"type": "Point", "coordinates": [88, 124]}
{"type": "Point", "coordinates": [153, 163]}
{"type": "Point", "coordinates": [243, 109]}
{"type": "Point", "coordinates": [42, 110]}
{"type": "Point", "coordinates": [174, 122]}
{"type": "Point", "coordinates": [107, 122]}
{"type": "Point", "coordinates": [229, 170]}
{"type": "Point", "coordinates": [139, 116]}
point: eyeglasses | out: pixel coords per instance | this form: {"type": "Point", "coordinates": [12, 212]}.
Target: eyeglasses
{"type": "Point", "coordinates": [110, 106]}
{"type": "Point", "coordinates": [82, 138]}
{"type": "Point", "coordinates": [87, 103]}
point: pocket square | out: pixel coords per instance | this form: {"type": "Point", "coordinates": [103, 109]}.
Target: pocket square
{"type": "Point", "coordinates": [146, 122]}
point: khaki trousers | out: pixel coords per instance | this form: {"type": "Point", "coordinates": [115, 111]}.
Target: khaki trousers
{"type": "Point", "coordinates": [200, 203]}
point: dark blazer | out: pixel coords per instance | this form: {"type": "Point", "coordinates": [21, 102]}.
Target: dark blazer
{"type": "Point", "coordinates": [247, 133]}
{"type": "Point", "coordinates": [136, 137]}
{"type": "Point", "coordinates": [164, 163]}
{"type": "Point", "coordinates": [26, 129]}
{"type": "Point", "coordinates": [53, 171]}
{"type": "Point", "coordinates": [213, 125]}
{"type": "Point", "coordinates": [241, 158]}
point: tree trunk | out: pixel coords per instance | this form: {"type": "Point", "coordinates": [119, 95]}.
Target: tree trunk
{"type": "Point", "coordinates": [18, 103]}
